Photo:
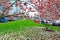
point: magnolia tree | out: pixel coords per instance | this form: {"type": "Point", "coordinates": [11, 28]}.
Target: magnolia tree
{"type": "Point", "coordinates": [19, 6]}
{"type": "Point", "coordinates": [48, 9]}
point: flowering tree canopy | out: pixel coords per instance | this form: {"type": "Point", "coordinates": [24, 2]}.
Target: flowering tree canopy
{"type": "Point", "coordinates": [48, 9]}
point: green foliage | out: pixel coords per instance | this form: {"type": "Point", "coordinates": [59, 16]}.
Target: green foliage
{"type": "Point", "coordinates": [1, 16]}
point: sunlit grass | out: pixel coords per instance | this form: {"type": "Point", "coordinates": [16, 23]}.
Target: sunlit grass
{"type": "Point", "coordinates": [22, 25]}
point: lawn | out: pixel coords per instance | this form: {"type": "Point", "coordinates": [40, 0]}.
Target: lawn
{"type": "Point", "coordinates": [22, 25]}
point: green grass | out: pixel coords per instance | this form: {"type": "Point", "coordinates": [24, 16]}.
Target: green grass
{"type": "Point", "coordinates": [22, 25]}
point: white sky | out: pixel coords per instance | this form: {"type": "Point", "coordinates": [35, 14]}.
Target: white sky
{"type": "Point", "coordinates": [16, 9]}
